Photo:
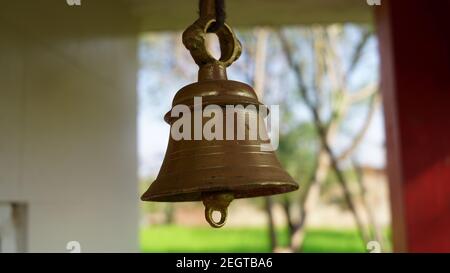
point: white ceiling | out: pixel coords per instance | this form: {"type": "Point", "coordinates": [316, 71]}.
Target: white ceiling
{"type": "Point", "coordinates": [177, 14]}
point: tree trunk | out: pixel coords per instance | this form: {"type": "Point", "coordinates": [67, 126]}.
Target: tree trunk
{"type": "Point", "coordinates": [271, 223]}
{"type": "Point", "coordinates": [311, 199]}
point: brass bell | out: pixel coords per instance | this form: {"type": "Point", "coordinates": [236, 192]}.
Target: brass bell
{"type": "Point", "coordinates": [227, 167]}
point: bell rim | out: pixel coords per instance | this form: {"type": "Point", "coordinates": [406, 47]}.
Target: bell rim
{"type": "Point", "coordinates": [258, 189]}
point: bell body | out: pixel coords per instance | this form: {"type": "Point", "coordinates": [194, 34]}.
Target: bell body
{"type": "Point", "coordinates": [233, 163]}
{"type": "Point", "coordinates": [192, 169]}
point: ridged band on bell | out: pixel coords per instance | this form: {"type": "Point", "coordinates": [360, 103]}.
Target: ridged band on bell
{"type": "Point", "coordinates": [193, 167]}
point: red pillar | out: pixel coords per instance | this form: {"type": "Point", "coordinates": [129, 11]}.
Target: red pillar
{"type": "Point", "coordinates": [414, 39]}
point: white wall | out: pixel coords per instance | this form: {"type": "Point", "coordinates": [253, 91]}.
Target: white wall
{"type": "Point", "coordinates": [68, 122]}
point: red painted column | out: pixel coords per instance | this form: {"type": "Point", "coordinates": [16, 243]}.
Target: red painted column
{"type": "Point", "coordinates": [414, 39]}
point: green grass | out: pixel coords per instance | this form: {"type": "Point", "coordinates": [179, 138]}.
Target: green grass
{"type": "Point", "coordinates": [227, 239]}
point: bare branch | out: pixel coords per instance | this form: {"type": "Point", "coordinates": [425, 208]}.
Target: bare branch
{"type": "Point", "coordinates": [358, 53]}
{"type": "Point", "coordinates": [322, 133]}
{"type": "Point", "coordinates": [361, 133]}
{"type": "Point", "coordinates": [346, 191]}
{"type": "Point", "coordinates": [261, 35]}
{"type": "Point", "coordinates": [376, 229]}
{"type": "Point", "coordinates": [296, 67]}
{"type": "Point", "coordinates": [364, 93]}
{"type": "Point", "coordinates": [318, 46]}
{"type": "Point", "coordinates": [333, 60]}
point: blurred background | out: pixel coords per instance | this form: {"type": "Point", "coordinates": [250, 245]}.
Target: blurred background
{"type": "Point", "coordinates": [84, 85]}
{"type": "Point", "coordinates": [338, 78]}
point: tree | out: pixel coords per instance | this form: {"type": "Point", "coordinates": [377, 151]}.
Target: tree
{"type": "Point", "coordinates": [328, 97]}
